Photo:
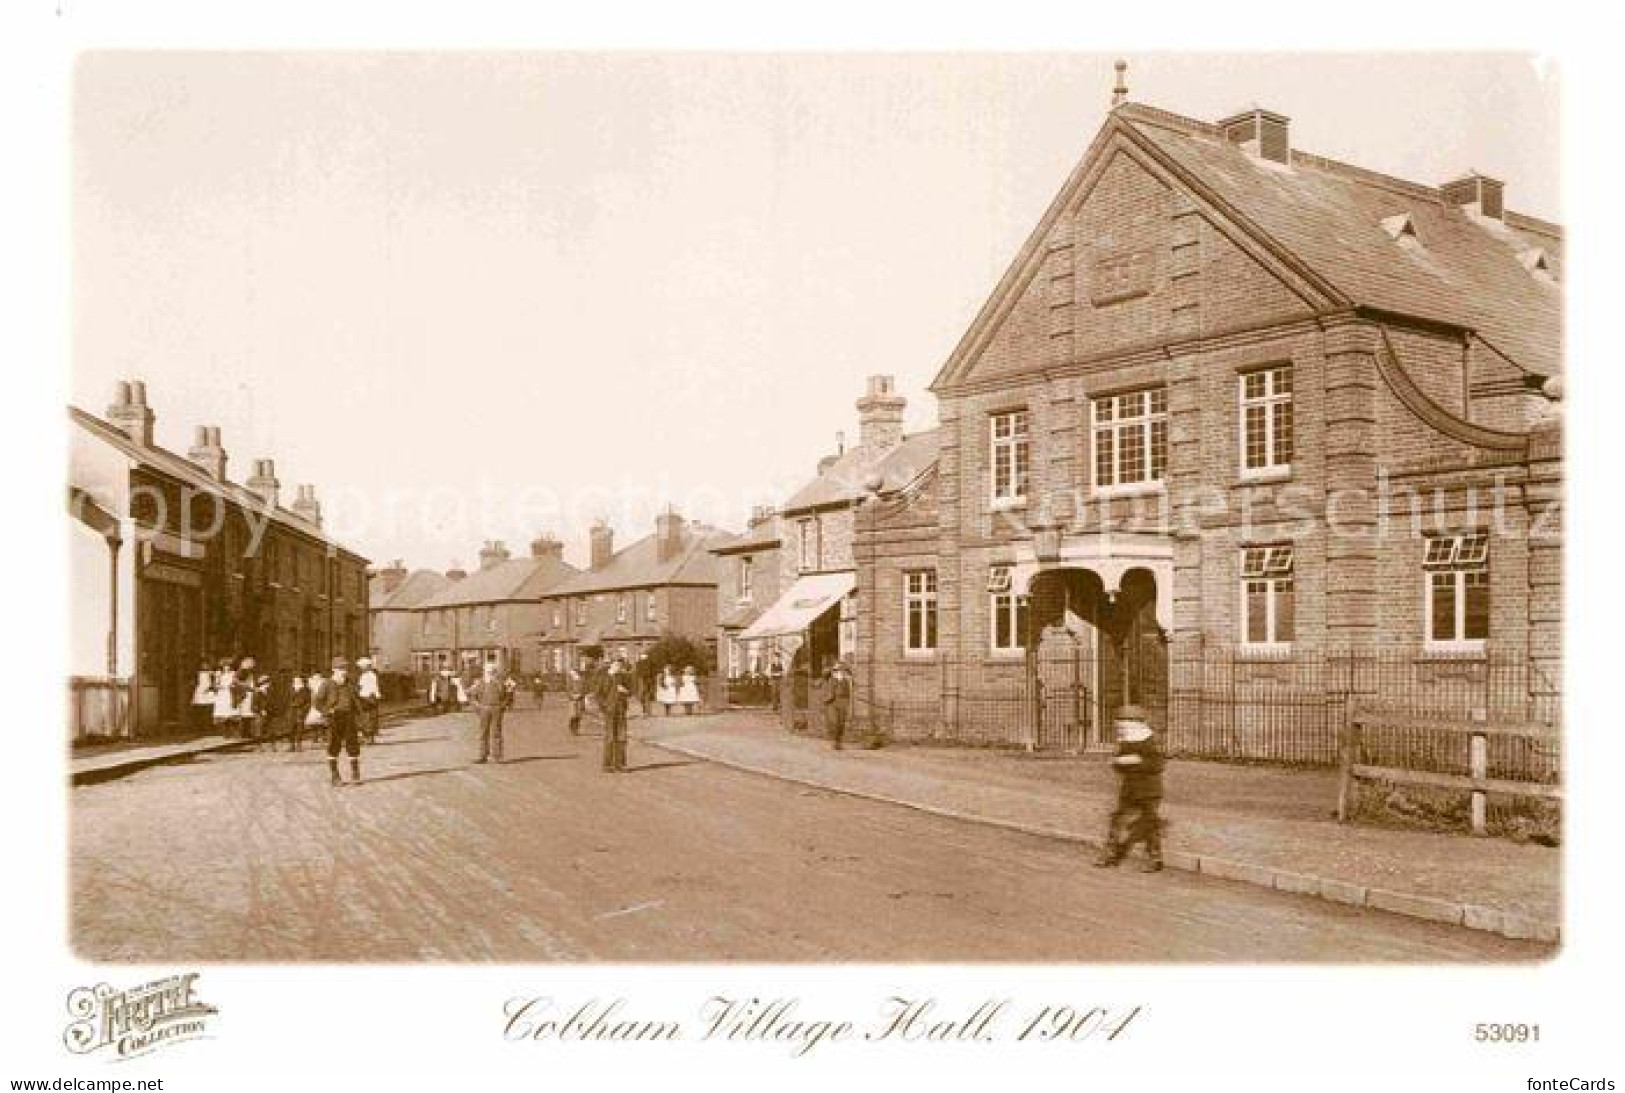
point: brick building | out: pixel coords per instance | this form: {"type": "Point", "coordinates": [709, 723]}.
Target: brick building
{"type": "Point", "coordinates": [1235, 412]}
{"type": "Point", "coordinates": [749, 575]}
{"type": "Point", "coordinates": [814, 619]}
{"type": "Point", "coordinates": [495, 615]}
{"type": "Point", "coordinates": [395, 594]}
{"type": "Point", "coordinates": [626, 600]}
{"type": "Point", "coordinates": [172, 563]}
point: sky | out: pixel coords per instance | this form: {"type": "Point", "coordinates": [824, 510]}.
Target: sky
{"type": "Point", "coordinates": [479, 296]}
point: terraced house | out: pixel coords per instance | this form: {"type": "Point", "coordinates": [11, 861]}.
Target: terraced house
{"type": "Point", "coordinates": [628, 599]}
{"type": "Point", "coordinates": [172, 562]}
{"type": "Point", "coordinates": [1243, 435]}
{"type": "Point", "coordinates": [494, 615]}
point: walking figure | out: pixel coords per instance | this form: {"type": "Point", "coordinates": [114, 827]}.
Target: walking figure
{"type": "Point", "coordinates": [838, 701]}
{"type": "Point", "coordinates": [491, 697]}
{"type": "Point", "coordinates": [339, 706]}
{"type": "Point", "coordinates": [371, 694]}
{"type": "Point", "coordinates": [614, 694]}
{"type": "Point", "coordinates": [1139, 795]}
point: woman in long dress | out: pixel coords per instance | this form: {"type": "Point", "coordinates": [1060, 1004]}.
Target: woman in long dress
{"type": "Point", "coordinates": [203, 699]}
{"type": "Point", "coordinates": [688, 691]}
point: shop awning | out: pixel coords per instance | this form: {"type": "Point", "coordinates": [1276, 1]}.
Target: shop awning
{"type": "Point", "coordinates": [803, 602]}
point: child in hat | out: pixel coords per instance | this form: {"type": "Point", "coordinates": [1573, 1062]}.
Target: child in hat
{"type": "Point", "coordinates": [1138, 762]}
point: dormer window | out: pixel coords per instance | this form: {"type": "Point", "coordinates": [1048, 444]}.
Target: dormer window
{"type": "Point", "coordinates": [1401, 228]}
{"type": "Point", "coordinates": [1538, 263]}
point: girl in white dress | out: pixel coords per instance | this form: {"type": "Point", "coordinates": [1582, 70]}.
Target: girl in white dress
{"type": "Point", "coordinates": [666, 690]}
{"type": "Point", "coordinates": [688, 691]}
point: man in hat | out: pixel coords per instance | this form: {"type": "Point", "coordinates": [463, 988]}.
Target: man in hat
{"type": "Point", "coordinates": [1138, 762]}
{"type": "Point", "coordinates": [837, 701]}
{"type": "Point", "coordinates": [371, 693]}
{"type": "Point", "coordinates": [643, 673]}
{"type": "Point", "coordinates": [576, 688]}
{"type": "Point", "coordinates": [614, 694]}
{"type": "Point", "coordinates": [340, 706]}
{"type": "Point", "coordinates": [490, 696]}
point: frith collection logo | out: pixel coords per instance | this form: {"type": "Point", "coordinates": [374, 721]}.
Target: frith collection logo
{"type": "Point", "coordinates": [136, 1020]}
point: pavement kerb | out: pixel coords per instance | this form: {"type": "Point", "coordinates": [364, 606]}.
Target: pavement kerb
{"type": "Point", "coordinates": [134, 763]}
{"type": "Point", "coordinates": [1429, 908]}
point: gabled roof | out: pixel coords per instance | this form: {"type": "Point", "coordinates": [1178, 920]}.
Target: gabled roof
{"type": "Point", "coordinates": [847, 479]}
{"type": "Point", "coordinates": [517, 579]}
{"type": "Point", "coordinates": [639, 565]}
{"type": "Point", "coordinates": [419, 586]}
{"type": "Point", "coordinates": [1465, 273]}
{"type": "Point", "coordinates": [764, 536]}
{"type": "Point", "coordinates": [190, 474]}
{"type": "Point", "coordinates": [1323, 224]}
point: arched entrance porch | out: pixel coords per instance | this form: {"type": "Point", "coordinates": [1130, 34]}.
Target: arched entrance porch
{"type": "Point", "coordinates": [1094, 644]}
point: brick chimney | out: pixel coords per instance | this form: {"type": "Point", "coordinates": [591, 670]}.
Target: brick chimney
{"type": "Point", "coordinates": [207, 452]}
{"type": "Point", "coordinates": [602, 537]}
{"type": "Point", "coordinates": [392, 577]}
{"type": "Point", "coordinates": [1477, 194]}
{"type": "Point", "coordinates": [1261, 133]}
{"type": "Point", "coordinates": [263, 482]}
{"type": "Point", "coordinates": [760, 514]}
{"type": "Point", "coordinates": [306, 506]}
{"type": "Point", "coordinates": [130, 412]}
{"type": "Point", "coordinates": [668, 535]}
{"type": "Point", "coordinates": [880, 414]}
{"type": "Point", "coordinates": [493, 553]}
{"type": "Point", "coordinates": [546, 546]}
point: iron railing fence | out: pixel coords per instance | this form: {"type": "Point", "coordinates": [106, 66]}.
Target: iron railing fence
{"type": "Point", "coordinates": [1235, 706]}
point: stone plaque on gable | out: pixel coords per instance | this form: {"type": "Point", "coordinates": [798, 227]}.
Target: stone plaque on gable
{"type": "Point", "coordinates": [1121, 275]}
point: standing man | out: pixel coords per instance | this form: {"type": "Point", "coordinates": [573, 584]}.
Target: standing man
{"type": "Point", "coordinates": [576, 683]}
{"type": "Point", "coordinates": [614, 694]}
{"type": "Point", "coordinates": [838, 701]}
{"type": "Point", "coordinates": [371, 694]}
{"type": "Point", "coordinates": [644, 674]}
{"type": "Point", "coordinates": [1139, 794]}
{"type": "Point", "coordinates": [339, 706]}
{"type": "Point", "coordinates": [490, 696]}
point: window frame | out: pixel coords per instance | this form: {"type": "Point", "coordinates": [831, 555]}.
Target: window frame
{"type": "Point", "coordinates": [1270, 402]}
{"type": "Point", "coordinates": [746, 577]}
{"type": "Point", "coordinates": [1269, 576]}
{"type": "Point", "coordinates": [1019, 446]}
{"type": "Point", "coordinates": [1002, 598]}
{"type": "Point", "coordinates": [1460, 571]}
{"type": "Point", "coordinates": [1115, 424]}
{"type": "Point", "coordinates": [924, 602]}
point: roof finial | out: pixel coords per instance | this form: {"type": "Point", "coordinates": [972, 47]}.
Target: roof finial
{"type": "Point", "coordinates": [1120, 92]}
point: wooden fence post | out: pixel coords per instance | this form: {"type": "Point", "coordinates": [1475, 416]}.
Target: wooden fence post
{"type": "Point", "coordinates": [1348, 738]}
{"type": "Point", "coordinates": [1478, 767]}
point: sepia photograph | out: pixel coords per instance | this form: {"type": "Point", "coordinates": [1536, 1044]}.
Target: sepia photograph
{"type": "Point", "coordinates": [759, 548]}
{"type": "Point", "coordinates": [532, 508]}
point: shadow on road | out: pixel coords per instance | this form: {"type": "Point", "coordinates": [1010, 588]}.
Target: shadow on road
{"type": "Point", "coordinates": [641, 767]}
{"type": "Point", "coordinates": [411, 774]}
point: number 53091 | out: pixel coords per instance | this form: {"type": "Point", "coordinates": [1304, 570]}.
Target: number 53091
{"type": "Point", "coordinates": [1488, 1033]}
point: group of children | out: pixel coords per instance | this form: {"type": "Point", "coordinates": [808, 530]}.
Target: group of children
{"type": "Point", "coordinates": [243, 703]}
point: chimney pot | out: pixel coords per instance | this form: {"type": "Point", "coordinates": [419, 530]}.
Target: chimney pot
{"type": "Point", "coordinates": [602, 538]}
{"type": "Point", "coordinates": [306, 505]}
{"type": "Point", "coordinates": [263, 482]}
{"type": "Point", "coordinates": [880, 415]}
{"type": "Point", "coordinates": [129, 412]}
{"type": "Point", "coordinates": [208, 453]}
